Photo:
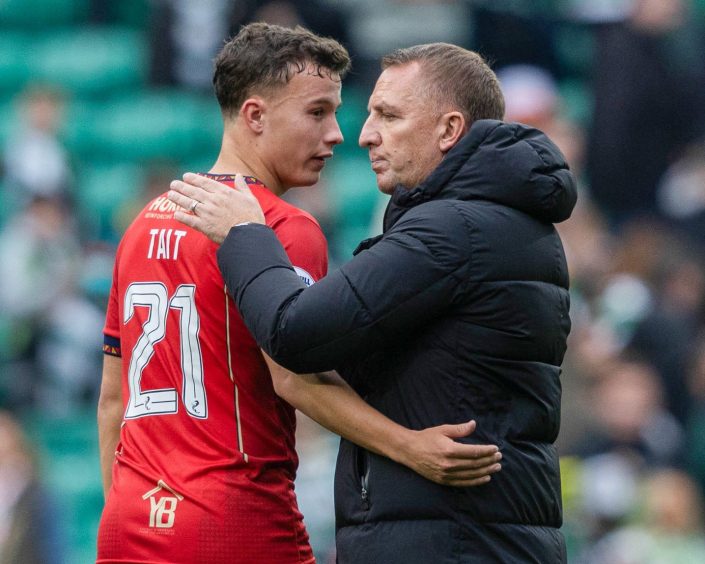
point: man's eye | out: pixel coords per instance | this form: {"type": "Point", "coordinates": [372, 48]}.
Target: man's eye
{"type": "Point", "coordinates": [317, 113]}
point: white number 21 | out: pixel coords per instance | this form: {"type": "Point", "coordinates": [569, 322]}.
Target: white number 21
{"type": "Point", "coordinates": [153, 295]}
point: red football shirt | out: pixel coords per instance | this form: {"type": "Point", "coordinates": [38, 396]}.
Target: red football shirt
{"type": "Point", "coordinates": [205, 467]}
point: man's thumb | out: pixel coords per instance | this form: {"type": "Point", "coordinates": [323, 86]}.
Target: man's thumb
{"type": "Point", "coordinates": [461, 429]}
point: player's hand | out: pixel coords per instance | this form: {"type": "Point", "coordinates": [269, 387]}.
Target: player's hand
{"type": "Point", "coordinates": [436, 455]}
{"type": "Point", "coordinates": [214, 208]}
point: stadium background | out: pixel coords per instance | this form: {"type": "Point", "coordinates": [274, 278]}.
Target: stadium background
{"type": "Point", "coordinates": [102, 103]}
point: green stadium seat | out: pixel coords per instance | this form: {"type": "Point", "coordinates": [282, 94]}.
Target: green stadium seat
{"type": "Point", "coordinates": [103, 191]}
{"type": "Point", "coordinates": [134, 13]}
{"type": "Point", "coordinates": [61, 436]}
{"type": "Point", "coordinates": [38, 14]}
{"type": "Point", "coordinates": [577, 100]}
{"type": "Point", "coordinates": [353, 188]}
{"type": "Point", "coordinates": [345, 241]}
{"type": "Point", "coordinates": [351, 116]}
{"type": "Point", "coordinates": [70, 469]}
{"type": "Point", "coordinates": [699, 8]}
{"type": "Point", "coordinates": [90, 61]}
{"type": "Point", "coordinates": [354, 198]}
{"type": "Point", "coordinates": [141, 127]}
{"type": "Point", "coordinates": [15, 48]}
{"type": "Point", "coordinates": [575, 47]}
{"type": "Point", "coordinates": [9, 120]}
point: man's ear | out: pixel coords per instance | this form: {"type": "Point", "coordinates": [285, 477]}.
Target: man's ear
{"type": "Point", "coordinates": [252, 113]}
{"type": "Point", "coordinates": [453, 128]}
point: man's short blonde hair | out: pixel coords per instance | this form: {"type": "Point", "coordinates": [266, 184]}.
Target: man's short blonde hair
{"type": "Point", "coordinates": [454, 79]}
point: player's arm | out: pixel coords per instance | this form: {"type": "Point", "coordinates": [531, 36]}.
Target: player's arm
{"type": "Point", "coordinates": [327, 399]}
{"type": "Point", "coordinates": [109, 417]}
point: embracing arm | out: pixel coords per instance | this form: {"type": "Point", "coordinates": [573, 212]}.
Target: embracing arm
{"type": "Point", "coordinates": [432, 453]}
{"type": "Point", "coordinates": [400, 284]}
{"type": "Point", "coordinates": [109, 417]}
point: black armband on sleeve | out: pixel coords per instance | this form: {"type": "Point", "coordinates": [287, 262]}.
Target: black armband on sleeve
{"type": "Point", "coordinates": [111, 346]}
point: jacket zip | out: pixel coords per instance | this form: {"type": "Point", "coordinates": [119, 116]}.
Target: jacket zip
{"type": "Point", "coordinates": [364, 479]}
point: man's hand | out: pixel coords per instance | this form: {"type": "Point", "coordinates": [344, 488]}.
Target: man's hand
{"type": "Point", "coordinates": [214, 208]}
{"type": "Point", "coordinates": [435, 455]}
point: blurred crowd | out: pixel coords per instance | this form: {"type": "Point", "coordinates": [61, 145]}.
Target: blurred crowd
{"type": "Point", "coordinates": [619, 85]}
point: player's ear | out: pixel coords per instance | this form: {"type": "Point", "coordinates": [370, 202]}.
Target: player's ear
{"type": "Point", "coordinates": [453, 127]}
{"type": "Point", "coordinates": [252, 113]}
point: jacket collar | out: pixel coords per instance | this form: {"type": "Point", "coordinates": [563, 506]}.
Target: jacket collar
{"type": "Point", "coordinates": [506, 163]}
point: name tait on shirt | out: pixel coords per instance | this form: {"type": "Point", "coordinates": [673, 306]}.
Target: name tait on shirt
{"type": "Point", "coordinates": [164, 243]}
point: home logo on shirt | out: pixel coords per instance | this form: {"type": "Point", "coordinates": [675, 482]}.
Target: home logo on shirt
{"type": "Point", "coordinates": [162, 510]}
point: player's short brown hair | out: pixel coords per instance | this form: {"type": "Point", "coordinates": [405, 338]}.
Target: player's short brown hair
{"type": "Point", "coordinates": [263, 57]}
{"type": "Point", "coordinates": [454, 78]}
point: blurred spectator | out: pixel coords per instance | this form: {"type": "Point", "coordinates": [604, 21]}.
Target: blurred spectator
{"type": "Point", "coordinates": [669, 530]}
{"type": "Point", "coordinates": [530, 27]}
{"type": "Point", "coordinates": [380, 26]}
{"type": "Point", "coordinates": [320, 16]}
{"type": "Point", "coordinates": [696, 420]}
{"type": "Point", "coordinates": [185, 37]}
{"type": "Point", "coordinates": [681, 196]}
{"type": "Point", "coordinates": [36, 163]}
{"type": "Point", "coordinates": [58, 359]}
{"type": "Point", "coordinates": [531, 96]}
{"type": "Point", "coordinates": [28, 519]}
{"type": "Point", "coordinates": [39, 253]}
{"type": "Point", "coordinates": [646, 107]}
{"type": "Point", "coordinates": [599, 11]}
{"type": "Point", "coordinates": [609, 493]}
{"type": "Point", "coordinates": [68, 355]}
{"type": "Point", "coordinates": [665, 334]}
{"type": "Point", "coordinates": [629, 436]}
{"type": "Point", "coordinates": [589, 248]}
{"type": "Point", "coordinates": [630, 420]}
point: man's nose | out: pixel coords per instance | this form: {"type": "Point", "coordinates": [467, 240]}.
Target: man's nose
{"type": "Point", "coordinates": [335, 136]}
{"type": "Point", "coordinates": [368, 135]}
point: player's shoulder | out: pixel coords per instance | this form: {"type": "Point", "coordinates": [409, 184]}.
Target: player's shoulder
{"type": "Point", "coordinates": [155, 217]}
{"type": "Point", "coordinates": [159, 207]}
{"type": "Point", "coordinates": [279, 212]}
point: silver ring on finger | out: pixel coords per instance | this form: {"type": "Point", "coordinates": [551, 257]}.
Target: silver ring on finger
{"type": "Point", "coordinates": [192, 207]}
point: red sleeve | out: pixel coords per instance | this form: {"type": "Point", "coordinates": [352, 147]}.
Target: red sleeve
{"type": "Point", "coordinates": [306, 246]}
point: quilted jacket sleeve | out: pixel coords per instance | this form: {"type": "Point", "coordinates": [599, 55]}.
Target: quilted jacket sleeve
{"type": "Point", "coordinates": [409, 277]}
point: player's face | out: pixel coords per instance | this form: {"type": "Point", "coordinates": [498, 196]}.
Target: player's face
{"type": "Point", "coordinates": [402, 129]}
{"type": "Point", "coordinates": [301, 128]}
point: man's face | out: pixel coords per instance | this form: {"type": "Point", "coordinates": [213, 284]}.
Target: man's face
{"type": "Point", "coordinates": [301, 128]}
{"type": "Point", "coordinates": [402, 130]}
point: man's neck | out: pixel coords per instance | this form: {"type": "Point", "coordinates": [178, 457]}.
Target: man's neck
{"type": "Point", "coordinates": [233, 160]}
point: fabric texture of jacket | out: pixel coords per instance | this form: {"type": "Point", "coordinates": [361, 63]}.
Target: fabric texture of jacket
{"type": "Point", "coordinates": [458, 311]}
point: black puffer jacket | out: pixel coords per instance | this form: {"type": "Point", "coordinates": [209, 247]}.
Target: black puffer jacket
{"type": "Point", "coordinates": [459, 311]}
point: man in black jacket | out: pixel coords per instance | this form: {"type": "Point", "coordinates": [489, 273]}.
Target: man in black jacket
{"type": "Point", "coordinates": [458, 311]}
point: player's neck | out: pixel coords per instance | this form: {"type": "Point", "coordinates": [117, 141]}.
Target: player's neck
{"type": "Point", "coordinates": [233, 161]}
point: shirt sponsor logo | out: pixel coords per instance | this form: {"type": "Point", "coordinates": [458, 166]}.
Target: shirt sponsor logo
{"type": "Point", "coordinates": [162, 204]}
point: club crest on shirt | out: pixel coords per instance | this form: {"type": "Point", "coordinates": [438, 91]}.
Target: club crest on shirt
{"type": "Point", "coordinates": [305, 276]}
